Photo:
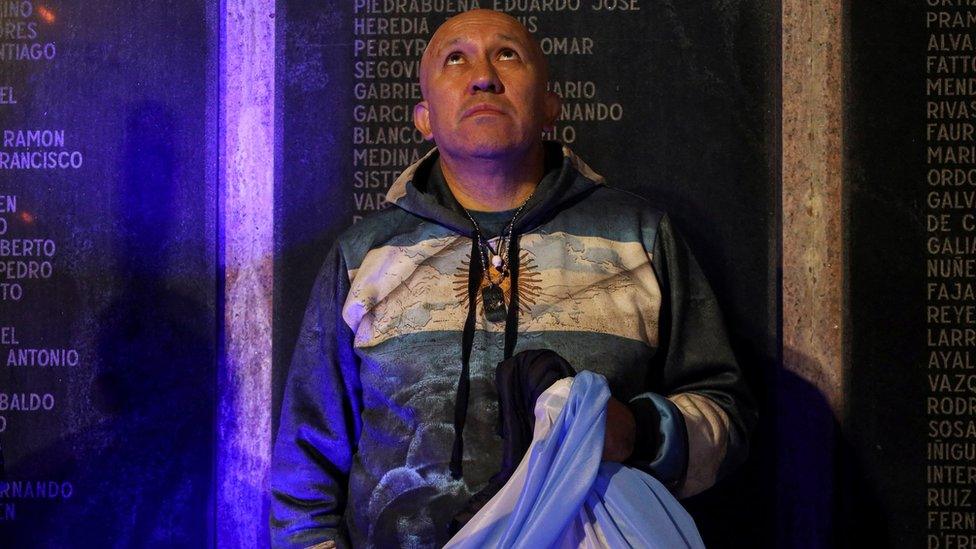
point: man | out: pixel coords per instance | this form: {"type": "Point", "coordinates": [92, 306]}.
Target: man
{"type": "Point", "coordinates": [498, 243]}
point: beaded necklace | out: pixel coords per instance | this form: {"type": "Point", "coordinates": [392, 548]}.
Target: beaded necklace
{"type": "Point", "coordinates": [492, 296]}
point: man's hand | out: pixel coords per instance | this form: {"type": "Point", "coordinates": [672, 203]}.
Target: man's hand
{"type": "Point", "coordinates": [621, 432]}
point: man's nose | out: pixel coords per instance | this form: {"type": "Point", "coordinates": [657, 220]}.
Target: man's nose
{"type": "Point", "coordinates": [485, 79]}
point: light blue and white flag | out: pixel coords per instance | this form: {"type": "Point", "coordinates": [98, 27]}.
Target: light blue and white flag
{"type": "Point", "coordinates": [561, 495]}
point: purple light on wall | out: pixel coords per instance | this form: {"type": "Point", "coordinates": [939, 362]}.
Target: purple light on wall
{"type": "Point", "coordinates": [246, 167]}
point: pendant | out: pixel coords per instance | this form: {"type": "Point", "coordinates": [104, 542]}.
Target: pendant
{"type": "Point", "coordinates": [497, 262]}
{"type": "Point", "coordinates": [493, 300]}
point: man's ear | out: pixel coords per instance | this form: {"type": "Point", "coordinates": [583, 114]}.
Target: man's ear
{"type": "Point", "coordinates": [421, 119]}
{"type": "Point", "coordinates": [552, 105]}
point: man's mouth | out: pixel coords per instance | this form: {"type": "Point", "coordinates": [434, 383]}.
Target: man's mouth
{"type": "Point", "coordinates": [483, 109]}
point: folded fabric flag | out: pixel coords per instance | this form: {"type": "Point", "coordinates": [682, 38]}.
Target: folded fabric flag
{"type": "Point", "coordinates": [561, 495]}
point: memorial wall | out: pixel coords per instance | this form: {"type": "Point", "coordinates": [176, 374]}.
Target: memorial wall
{"type": "Point", "coordinates": [107, 273]}
{"type": "Point", "coordinates": [912, 248]}
{"type": "Point", "coordinates": [111, 286]}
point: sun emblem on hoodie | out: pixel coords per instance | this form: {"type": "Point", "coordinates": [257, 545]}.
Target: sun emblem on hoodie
{"type": "Point", "coordinates": [529, 283]}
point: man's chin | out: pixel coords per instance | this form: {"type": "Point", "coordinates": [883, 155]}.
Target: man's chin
{"type": "Point", "coordinates": [492, 150]}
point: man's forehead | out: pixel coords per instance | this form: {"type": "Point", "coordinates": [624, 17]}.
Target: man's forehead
{"type": "Point", "coordinates": [464, 26]}
{"type": "Point", "coordinates": [457, 40]}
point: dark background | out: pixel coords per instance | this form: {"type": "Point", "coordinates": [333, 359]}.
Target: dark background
{"type": "Point", "coordinates": [884, 435]}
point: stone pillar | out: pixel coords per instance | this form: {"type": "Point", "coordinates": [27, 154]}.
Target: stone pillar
{"type": "Point", "coordinates": [246, 165]}
{"type": "Point", "coordinates": [809, 396]}
{"type": "Point", "coordinates": [813, 238]}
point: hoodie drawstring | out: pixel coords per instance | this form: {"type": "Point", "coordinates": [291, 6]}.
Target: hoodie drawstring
{"type": "Point", "coordinates": [475, 275]}
{"type": "Point", "coordinates": [511, 321]}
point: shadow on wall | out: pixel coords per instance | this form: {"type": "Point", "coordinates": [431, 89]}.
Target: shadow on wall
{"type": "Point", "coordinates": [823, 498]}
{"type": "Point", "coordinates": [802, 479]}
{"type": "Point", "coordinates": [143, 473]}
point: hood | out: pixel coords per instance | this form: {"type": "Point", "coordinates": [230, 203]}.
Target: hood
{"type": "Point", "coordinates": [569, 179]}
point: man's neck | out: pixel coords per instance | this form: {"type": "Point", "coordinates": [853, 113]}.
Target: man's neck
{"type": "Point", "coordinates": [490, 185]}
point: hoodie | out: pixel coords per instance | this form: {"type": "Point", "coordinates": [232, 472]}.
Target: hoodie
{"type": "Point", "coordinates": [390, 418]}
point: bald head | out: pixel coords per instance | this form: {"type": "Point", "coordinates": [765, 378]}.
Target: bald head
{"type": "Point", "coordinates": [454, 31]}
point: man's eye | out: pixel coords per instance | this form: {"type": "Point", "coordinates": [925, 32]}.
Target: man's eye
{"type": "Point", "coordinates": [507, 53]}
{"type": "Point", "coordinates": [454, 59]}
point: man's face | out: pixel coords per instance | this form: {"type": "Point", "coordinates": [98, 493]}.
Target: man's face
{"type": "Point", "coordinates": [484, 84]}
